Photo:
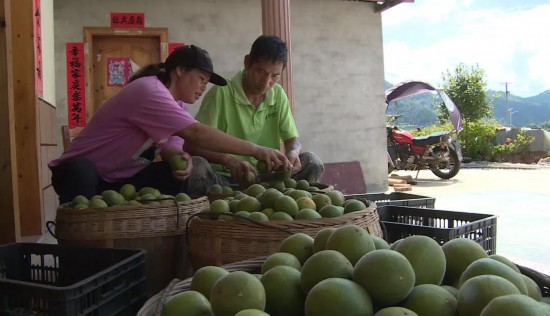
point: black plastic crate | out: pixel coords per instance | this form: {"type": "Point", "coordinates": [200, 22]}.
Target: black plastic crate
{"type": "Point", "coordinates": [400, 222]}
{"type": "Point", "coordinates": [46, 279]}
{"type": "Point", "coordinates": [396, 198]}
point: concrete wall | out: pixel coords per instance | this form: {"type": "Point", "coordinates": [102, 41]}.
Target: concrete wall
{"type": "Point", "coordinates": [337, 63]}
{"type": "Point", "coordinates": [48, 51]}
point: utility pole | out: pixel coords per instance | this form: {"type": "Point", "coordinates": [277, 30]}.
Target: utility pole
{"type": "Point", "coordinates": [507, 106]}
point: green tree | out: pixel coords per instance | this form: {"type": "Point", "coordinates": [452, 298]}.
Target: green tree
{"type": "Point", "coordinates": [466, 86]}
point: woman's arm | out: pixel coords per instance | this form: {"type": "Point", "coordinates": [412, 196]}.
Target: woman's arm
{"type": "Point", "coordinates": [217, 141]}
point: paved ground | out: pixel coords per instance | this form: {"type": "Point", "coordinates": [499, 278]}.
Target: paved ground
{"type": "Point", "coordinates": [518, 194]}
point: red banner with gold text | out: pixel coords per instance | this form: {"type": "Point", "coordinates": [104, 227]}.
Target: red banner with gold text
{"type": "Point", "coordinates": [76, 99]}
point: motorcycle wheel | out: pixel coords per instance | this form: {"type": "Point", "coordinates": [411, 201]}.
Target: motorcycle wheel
{"type": "Point", "coordinates": [450, 169]}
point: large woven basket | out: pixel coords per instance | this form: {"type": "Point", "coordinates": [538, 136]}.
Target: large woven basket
{"type": "Point", "coordinates": [213, 242]}
{"type": "Point", "coordinates": [153, 306]}
{"type": "Point", "coordinates": [160, 229]}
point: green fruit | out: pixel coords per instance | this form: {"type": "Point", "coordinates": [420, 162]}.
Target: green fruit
{"type": "Point", "coordinates": [506, 261]}
{"type": "Point", "coordinates": [80, 206]}
{"type": "Point", "coordinates": [290, 183]}
{"type": "Point", "coordinates": [380, 243]}
{"type": "Point", "coordinates": [299, 244]}
{"type": "Point", "coordinates": [283, 292]}
{"type": "Point", "coordinates": [478, 291]}
{"type": "Point", "coordinates": [269, 197]}
{"type": "Point", "coordinates": [280, 216]}
{"type": "Point", "coordinates": [485, 266]}
{"type": "Point", "coordinates": [354, 206]}
{"type": "Point", "coordinates": [112, 198]}
{"type": "Point", "coordinates": [426, 257]}
{"type": "Point", "coordinates": [431, 299]}
{"type": "Point", "coordinates": [177, 162]}
{"type": "Point", "coordinates": [268, 212]}
{"type": "Point", "coordinates": [513, 305]}
{"type": "Point", "coordinates": [219, 206]}
{"type": "Point", "coordinates": [216, 189]}
{"type": "Point", "coordinates": [205, 278]}
{"type": "Point", "coordinates": [249, 204]}
{"type": "Point", "coordinates": [286, 204]}
{"type": "Point", "coordinates": [338, 297]}
{"type": "Point", "coordinates": [227, 189]}
{"type": "Point", "coordinates": [258, 216]}
{"type": "Point", "coordinates": [97, 203]}
{"type": "Point", "coordinates": [80, 199]}
{"type": "Point", "coordinates": [330, 211]}
{"type": "Point", "coordinates": [251, 312]}
{"type": "Point", "coordinates": [302, 185]}
{"type": "Point", "coordinates": [149, 190]}
{"type": "Point", "coordinates": [128, 191]}
{"type": "Point", "coordinates": [235, 292]}
{"type": "Point", "coordinates": [321, 238]}
{"type": "Point", "coordinates": [395, 311]}
{"type": "Point", "coordinates": [352, 241]}
{"type": "Point", "coordinates": [187, 303]}
{"type": "Point", "coordinates": [323, 265]}
{"type": "Point", "coordinates": [281, 259]}
{"type": "Point", "coordinates": [255, 189]}
{"type": "Point", "coordinates": [243, 214]}
{"type": "Point", "coordinates": [306, 202]}
{"type": "Point", "coordinates": [459, 254]}
{"type": "Point", "coordinates": [261, 166]}
{"type": "Point", "coordinates": [336, 197]}
{"type": "Point", "coordinates": [307, 214]}
{"type": "Point", "coordinates": [250, 178]}
{"type": "Point", "coordinates": [386, 274]}
{"type": "Point", "coordinates": [182, 197]}
{"type": "Point", "coordinates": [320, 201]}
{"type": "Point", "coordinates": [533, 290]}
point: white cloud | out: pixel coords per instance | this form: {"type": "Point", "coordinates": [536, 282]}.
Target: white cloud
{"type": "Point", "coordinates": [510, 46]}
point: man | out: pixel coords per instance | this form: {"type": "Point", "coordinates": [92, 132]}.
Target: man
{"type": "Point", "coordinates": [254, 107]}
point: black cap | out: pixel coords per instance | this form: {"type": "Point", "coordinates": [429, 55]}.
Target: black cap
{"type": "Point", "coordinates": [195, 57]}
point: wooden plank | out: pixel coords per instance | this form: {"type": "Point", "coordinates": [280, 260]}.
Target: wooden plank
{"type": "Point", "coordinates": [393, 182]}
{"type": "Point", "coordinates": [9, 207]}
{"type": "Point", "coordinates": [26, 116]}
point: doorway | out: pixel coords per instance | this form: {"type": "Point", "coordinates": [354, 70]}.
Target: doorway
{"type": "Point", "coordinates": [112, 55]}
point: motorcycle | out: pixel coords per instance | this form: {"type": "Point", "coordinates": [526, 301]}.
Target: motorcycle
{"type": "Point", "coordinates": [438, 152]}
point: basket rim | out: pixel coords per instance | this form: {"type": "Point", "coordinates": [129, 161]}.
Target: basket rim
{"type": "Point", "coordinates": [91, 210]}
{"type": "Point", "coordinates": [153, 305]}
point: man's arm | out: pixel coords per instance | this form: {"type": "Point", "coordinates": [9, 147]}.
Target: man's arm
{"type": "Point", "coordinates": [292, 152]}
{"type": "Point", "coordinates": [214, 140]}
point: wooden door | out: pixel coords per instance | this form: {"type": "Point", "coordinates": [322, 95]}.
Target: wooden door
{"type": "Point", "coordinates": [115, 58]}
{"type": "Point", "coordinates": [140, 46]}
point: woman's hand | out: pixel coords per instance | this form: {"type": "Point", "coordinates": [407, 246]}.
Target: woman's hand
{"type": "Point", "coordinates": [273, 157]}
{"type": "Point", "coordinates": [184, 174]}
{"type": "Point", "coordinates": [239, 168]}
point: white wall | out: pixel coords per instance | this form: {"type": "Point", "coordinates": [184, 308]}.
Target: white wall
{"type": "Point", "coordinates": [336, 53]}
{"type": "Point", "coordinates": [48, 58]}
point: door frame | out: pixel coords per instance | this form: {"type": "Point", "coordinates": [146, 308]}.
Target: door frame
{"type": "Point", "coordinates": [91, 32]}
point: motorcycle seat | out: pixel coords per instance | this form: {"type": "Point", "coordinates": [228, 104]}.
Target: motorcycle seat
{"type": "Point", "coordinates": [427, 140]}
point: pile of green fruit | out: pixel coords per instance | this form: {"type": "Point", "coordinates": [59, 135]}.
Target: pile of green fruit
{"type": "Point", "coordinates": [127, 195]}
{"type": "Point", "coordinates": [264, 203]}
{"type": "Point", "coordinates": [346, 271]}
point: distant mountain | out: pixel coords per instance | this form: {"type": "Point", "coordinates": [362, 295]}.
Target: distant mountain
{"type": "Point", "coordinates": [532, 111]}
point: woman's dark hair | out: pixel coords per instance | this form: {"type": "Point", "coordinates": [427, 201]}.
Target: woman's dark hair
{"type": "Point", "coordinates": [158, 70]}
{"type": "Point", "coordinates": [269, 47]}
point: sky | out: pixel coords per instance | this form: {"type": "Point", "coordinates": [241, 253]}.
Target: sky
{"type": "Point", "coordinates": [508, 39]}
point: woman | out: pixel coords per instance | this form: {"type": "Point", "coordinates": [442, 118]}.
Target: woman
{"type": "Point", "coordinates": [149, 117]}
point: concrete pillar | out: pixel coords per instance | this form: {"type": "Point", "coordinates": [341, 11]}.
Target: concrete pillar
{"type": "Point", "coordinates": [276, 21]}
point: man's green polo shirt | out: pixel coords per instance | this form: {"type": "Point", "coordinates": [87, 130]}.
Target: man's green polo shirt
{"type": "Point", "coordinates": [228, 109]}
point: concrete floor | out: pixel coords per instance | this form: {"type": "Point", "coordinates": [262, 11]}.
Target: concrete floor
{"type": "Point", "coordinates": [518, 194]}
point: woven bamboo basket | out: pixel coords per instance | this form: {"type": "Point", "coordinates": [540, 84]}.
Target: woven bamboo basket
{"type": "Point", "coordinates": [216, 242]}
{"type": "Point", "coordinates": [153, 306]}
{"type": "Point", "coordinates": [160, 229]}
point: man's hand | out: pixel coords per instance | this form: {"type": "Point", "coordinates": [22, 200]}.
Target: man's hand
{"type": "Point", "coordinates": [294, 160]}
{"type": "Point", "coordinates": [184, 174]}
{"type": "Point", "coordinates": [239, 168]}
{"type": "Point", "coordinates": [273, 157]}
